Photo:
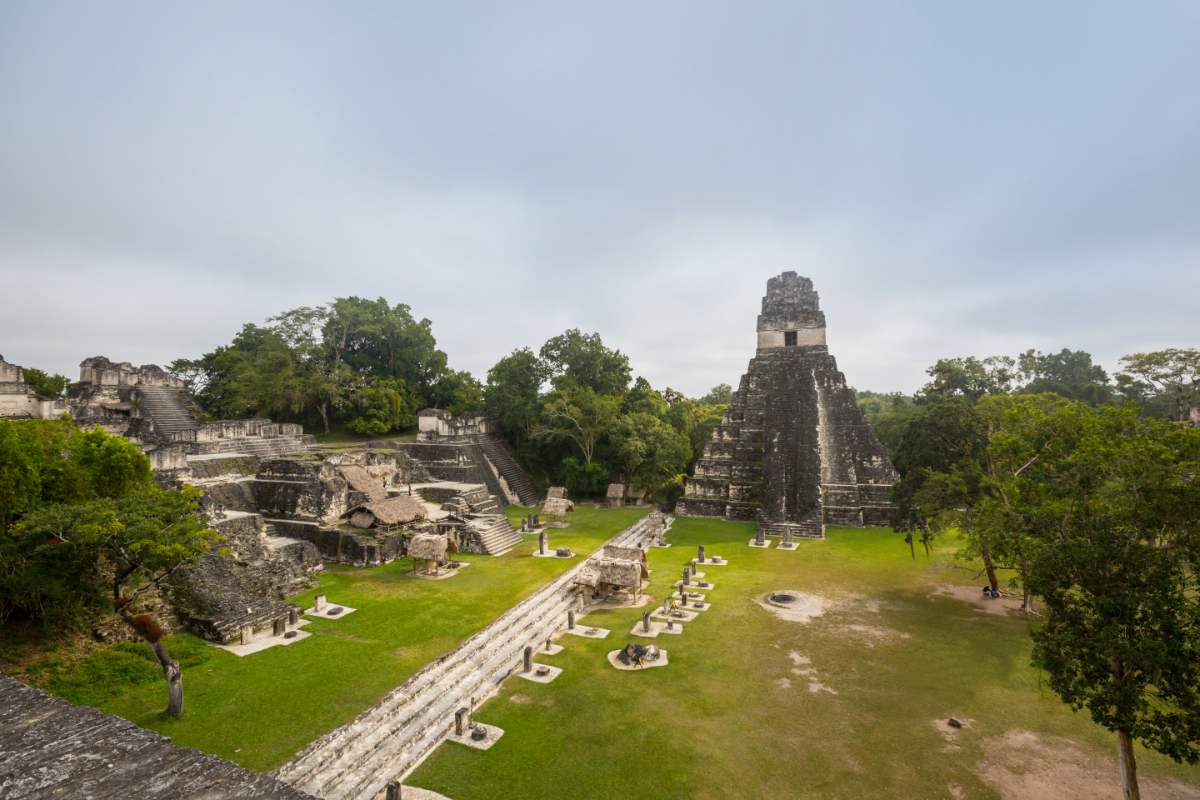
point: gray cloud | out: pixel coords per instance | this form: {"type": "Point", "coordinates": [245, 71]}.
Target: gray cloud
{"type": "Point", "coordinates": [954, 179]}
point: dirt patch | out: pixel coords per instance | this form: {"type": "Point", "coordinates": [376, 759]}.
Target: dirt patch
{"type": "Point", "coordinates": [518, 698]}
{"type": "Point", "coordinates": [1020, 765]}
{"type": "Point", "coordinates": [859, 602]}
{"type": "Point", "coordinates": [949, 732]}
{"type": "Point", "coordinates": [1000, 606]}
{"type": "Point", "coordinates": [803, 668]}
{"type": "Point", "coordinates": [874, 634]}
{"type": "Point", "coordinates": [803, 608]}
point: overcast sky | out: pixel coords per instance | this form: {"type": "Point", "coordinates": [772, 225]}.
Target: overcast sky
{"type": "Point", "coordinates": [956, 178]}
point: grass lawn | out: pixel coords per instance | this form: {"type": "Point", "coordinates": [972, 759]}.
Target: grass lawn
{"type": "Point", "coordinates": [340, 434]}
{"type": "Point", "coordinates": [730, 716]}
{"type": "Point", "coordinates": [259, 710]}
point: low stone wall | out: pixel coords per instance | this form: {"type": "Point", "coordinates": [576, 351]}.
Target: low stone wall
{"type": "Point", "coordinates": [344, 547]}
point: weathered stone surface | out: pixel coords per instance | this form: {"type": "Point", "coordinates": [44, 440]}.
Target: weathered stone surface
{"type": "Point", "coordinates": [794, 450]}
{"type": "Point", "coordinates": [50, 748]}
{"type": "Point", "coordinates": [242, 582]}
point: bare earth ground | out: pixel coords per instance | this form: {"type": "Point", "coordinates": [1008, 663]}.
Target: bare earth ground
{"type": "Point", "coordinates": [1021, 765]}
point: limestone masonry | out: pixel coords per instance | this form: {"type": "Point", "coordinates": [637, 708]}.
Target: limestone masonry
{"type": "Point", "coordinates": [794, 450]}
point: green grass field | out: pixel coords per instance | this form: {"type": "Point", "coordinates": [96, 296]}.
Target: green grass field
{"type": "Point", "coordinates": [260, 709]}
{"type": "Point", "coordinates": [722, 721]}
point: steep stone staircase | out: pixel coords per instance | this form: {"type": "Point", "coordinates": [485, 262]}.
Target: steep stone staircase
{"type": "Point", "coordinates": [517, 479]}
{"type": "Point", "coordinates": [495, 533]}
{"type": "Point", "coordinates": [167, 408]}
{"type": "Point", "coordinates": [390, 739]}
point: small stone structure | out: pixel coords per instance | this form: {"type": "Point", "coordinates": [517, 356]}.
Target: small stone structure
{"type": "Point", "coordinates": [614, 570]}
{"type": "Point", "coordinates": [433, 549]}
{"type": "Point", "coordinates": [794, 451]}
{"type": "Point", "coordinates": [556, 501]}
{"type": "Point", "coordinates": [615, 496]}
{"type": "Point", "coordinates": [435, 424]}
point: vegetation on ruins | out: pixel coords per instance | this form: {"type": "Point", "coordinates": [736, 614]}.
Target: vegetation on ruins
{"type": "Point", "coordinates": [364, 363]}
{"type": "Point", "coordinates": [45, 384]}
{"type": "Point", "coordinates": [82, 521]}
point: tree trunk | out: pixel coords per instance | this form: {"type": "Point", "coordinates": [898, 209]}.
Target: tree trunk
{"type": "Point", "coordinates": [149, 630]}
{"type": "Point", "coordinates": [991, 568]}
{"type": "Point", "coordinates": [174, 677]}
{"type": "Point", "coordinates": [912, 547]}
{"type": "Point", "coordinates": [323, 408]}
{"type": "Point", "coordinates": [925, 542]}
{"type": "Point", "coordinates": [1129, 781]}
{"type": "Point", "coordinates": [1026, 595]}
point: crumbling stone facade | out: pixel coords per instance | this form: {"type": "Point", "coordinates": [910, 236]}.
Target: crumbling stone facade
{"type": "Point", "coordinates": [794, 451]}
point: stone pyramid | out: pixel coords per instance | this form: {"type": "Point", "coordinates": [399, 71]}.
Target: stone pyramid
{"type": "Point", "coordinates": [794, 451]}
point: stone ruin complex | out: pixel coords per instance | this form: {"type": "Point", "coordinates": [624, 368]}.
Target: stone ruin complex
{"type": "Point", "coordinates": [793, 451]}
{"type": "Point", "coordinates": [150, 406]}
{"type": "Point", "coordinates": [284, 506]}
{"type": "Point", "coordinates": [18, 400]}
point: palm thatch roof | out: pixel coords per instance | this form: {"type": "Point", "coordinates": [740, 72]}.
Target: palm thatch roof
{"type": "Point", "coordinates": [557, 492]}
{"type": "Point", "coordinates": [430, 546]}
{"type": "Point", "coordinates": [616, 491]}
{"type": "Point", "coordinates": [390, 511]}
{"type": "Point", "coordinates": [361, 480]}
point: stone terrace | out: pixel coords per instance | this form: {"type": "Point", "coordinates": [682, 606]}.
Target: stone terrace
{"type": "Point", "coordinates": [389, 740]}
{"type": "Point", "coordinates": [50, 748]}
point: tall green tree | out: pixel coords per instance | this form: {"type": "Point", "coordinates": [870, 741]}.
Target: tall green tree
{"type": "Point", "coordinates": [1117, 505]}
{"type": "Point", "coordinates": [512, 395]}
{"type": "Point", "coordinates": [579, 415]}
{"type": "Point", "coordinates": [459, 392]}
{"type": "Point", "coordinates": [1068, 373]}
{"type": "Point", "coordinates": [584, 360]}
{"type": "Point", "coordinates": [1174, 374]}
{"type": "Point", "coordinates": [970, 377]}
{"type": "Point", "coordinates": [133, 543]}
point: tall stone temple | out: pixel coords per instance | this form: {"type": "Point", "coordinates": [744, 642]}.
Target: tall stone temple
{"type": "Point", "coordinates": [794, 451]}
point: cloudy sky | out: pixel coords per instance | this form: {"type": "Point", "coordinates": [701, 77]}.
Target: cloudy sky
{"type": "Point", "coordinates": [956, 178]}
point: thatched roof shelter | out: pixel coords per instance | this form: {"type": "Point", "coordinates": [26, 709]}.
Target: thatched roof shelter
{"type": "Point", "coordinates": [616, 491]}
{"type": "Point", "coordinates": [361, 480]}
{"type": "Point", "coordinates": [557, 492]}
{"type": "Point", "coordinates": [429, 546]}
{"type": "Point", "coordinates": [387, 513]}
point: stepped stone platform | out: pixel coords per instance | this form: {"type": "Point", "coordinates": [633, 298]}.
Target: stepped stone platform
{"type": "Point", "coordinates": [793, 451]}
{"type": "Point", "coordinates": [387, 741]}
{"type": "Point", "coordinates": [50, 748]}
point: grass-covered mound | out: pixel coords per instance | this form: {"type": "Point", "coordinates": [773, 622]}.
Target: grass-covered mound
{"type": "Point", "coordinates": [259, 710]}
{"type": "Point", "coordinates": [752, 705]}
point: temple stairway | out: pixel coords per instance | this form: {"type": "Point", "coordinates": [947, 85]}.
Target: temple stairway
{"type": "Point", "coordinates": [516, 477]}
{"type": "Point", "coordinates": [167, 408]}
{"type": "Point", "coordinates": [495, 533]}
{"type": "Point", "coordinates": [389, 740]}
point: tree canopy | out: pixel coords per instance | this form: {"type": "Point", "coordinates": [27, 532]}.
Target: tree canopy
{"type": "Point", "coordinates": [366, 363]}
